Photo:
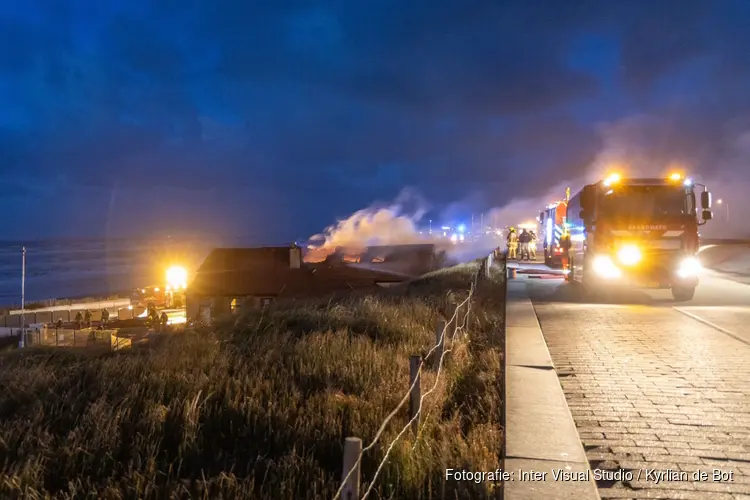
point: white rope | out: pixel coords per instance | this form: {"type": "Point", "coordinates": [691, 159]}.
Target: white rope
{"type": "Point", "coordinates": [405, 399]}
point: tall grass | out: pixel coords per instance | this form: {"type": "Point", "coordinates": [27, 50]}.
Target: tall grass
{"type": "Point", "coordinates": [259, 406]}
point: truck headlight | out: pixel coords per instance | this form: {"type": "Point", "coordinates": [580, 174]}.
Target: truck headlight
{"type": "Point", "coordinates": [629, 255]}
{"type": "Point", "coordinates": [689, 267]}
{"type": "Point", "coordinates": [604, 267]}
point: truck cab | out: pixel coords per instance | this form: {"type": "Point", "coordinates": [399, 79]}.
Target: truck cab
{"type": "Point", "coordinates": [639, 232]}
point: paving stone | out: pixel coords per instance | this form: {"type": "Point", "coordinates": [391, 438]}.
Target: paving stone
{"type": "Point", "coordinates": [650, 388]}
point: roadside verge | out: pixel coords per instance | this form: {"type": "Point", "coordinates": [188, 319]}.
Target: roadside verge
{"type": "Point", "coordinates": [543, 451]}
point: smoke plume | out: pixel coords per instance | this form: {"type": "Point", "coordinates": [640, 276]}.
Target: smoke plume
{"type": "Point", "coordinates": [651, 146]}
{"type": "Point", "coordinates": [391, 224]}
{"type": "Point", "coordinates": [525, 210]}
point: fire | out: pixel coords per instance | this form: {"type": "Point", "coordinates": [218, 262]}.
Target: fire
{"type": "Point", "coordinates": [315, 255]}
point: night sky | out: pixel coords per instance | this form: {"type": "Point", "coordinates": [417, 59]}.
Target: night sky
{"type": "Point", "coordinates": [272, 119]}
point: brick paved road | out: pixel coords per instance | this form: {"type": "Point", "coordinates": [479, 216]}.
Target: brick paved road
{"type": "Point", "coordinates": [651, 388]}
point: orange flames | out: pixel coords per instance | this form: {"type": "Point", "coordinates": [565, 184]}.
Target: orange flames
{"type": "Point", "coordinates": [315, 255]}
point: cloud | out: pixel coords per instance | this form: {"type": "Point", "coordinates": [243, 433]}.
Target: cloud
{"type": "Point", "coordinates": [348, 102]}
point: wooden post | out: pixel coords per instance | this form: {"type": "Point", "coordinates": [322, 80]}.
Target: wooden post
{"type": "Point", "coordinates": [352, 451]}
{"type": "Point", "coordinates": [416, 391]}
{"type": "Point", "coordinates": [439, 341]}
{"type": "Point", "coordinates": [468, 308]}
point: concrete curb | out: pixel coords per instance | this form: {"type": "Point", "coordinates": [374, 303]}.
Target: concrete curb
{"type": "Point", "coordinates": [541, 439]}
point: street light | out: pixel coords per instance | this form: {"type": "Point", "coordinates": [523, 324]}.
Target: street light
{"type": "Point", "coordinates": [177, 277]}
{"type": "Point", "coordinates": [22, 342]}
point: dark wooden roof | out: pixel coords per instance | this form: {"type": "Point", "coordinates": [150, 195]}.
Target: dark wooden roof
{"type": "Point", "coordinates": [236, 272]}
{"type": "Point", "coordinates": [229, 259]}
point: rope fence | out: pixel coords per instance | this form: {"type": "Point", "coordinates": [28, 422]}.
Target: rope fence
{"type": "Point", "coordinates": [353, 450]}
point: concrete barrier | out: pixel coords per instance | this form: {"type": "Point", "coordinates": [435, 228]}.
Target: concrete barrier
{"type": "Point", "coordinates": [96, 315]}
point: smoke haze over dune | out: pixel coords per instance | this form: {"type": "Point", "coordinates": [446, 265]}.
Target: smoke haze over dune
{"type": "Point", "coordinates": [398, 223]}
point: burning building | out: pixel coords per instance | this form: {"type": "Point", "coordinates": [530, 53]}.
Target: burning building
{"type": "Point", "coordinates": [232, 279]}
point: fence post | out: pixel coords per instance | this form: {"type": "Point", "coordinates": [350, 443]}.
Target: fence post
{"type": "Point", "coordinates": [74, 338]}
{"type": "Point", "coordinates": [57, 337]}
{"type": "Point", "coordinates": [352, 451]}
{"type": "Point", "coordinates": [439, 340]}
{"type": "Point", "coordinates": [416, 391]}
{"type": "Point", "coordinates": [472, 291]}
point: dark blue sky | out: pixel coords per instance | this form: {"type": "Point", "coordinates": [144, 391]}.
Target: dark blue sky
{"type": "Point", "coordinates": [275, 118]}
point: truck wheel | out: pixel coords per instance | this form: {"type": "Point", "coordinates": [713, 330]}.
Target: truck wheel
{"type": "Point", "coordinates": [683, 293]}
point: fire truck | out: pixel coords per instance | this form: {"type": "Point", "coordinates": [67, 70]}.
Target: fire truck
{"type": "Point", "coordinates": [552, 222]}
{"type": "Point", "coordinates": [637, 231]}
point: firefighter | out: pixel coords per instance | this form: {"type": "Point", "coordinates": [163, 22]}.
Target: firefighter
{"type": "Point", "coordinates": [565, 244]}
{"type": "Point", "coordinates": [524, 239]}
{"type": "Point", "coordinates": [532, 245]}
{"type": "Point", "coordinates": [512, 242]}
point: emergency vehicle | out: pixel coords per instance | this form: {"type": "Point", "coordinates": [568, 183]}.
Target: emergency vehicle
{"type": "Point", "coordinates": [552, 221]}
{"type": "Point", "coordinates": [637, 231]}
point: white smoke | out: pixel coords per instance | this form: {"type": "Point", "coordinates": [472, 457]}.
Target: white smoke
{"type": "Point", "coordinates": [396, 223]}
{"type": "Point", "coordinates": [525, 210]}
{"type": "Point", "coordinates": [641, 146]}
{"type": "Point", "coordinates": [648, 146]}
{"type": "Point", "coordinates": [391, 224]}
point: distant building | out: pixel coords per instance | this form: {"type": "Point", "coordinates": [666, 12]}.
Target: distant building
{"type": "Point", "coordinates": [232, 279]}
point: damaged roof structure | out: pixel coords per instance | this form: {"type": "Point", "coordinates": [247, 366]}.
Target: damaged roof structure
{"type": "Point", "coordinates": [255, 276]}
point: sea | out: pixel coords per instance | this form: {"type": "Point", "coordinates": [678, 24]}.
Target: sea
{"type": "Point", "coordinates": [57, 269]}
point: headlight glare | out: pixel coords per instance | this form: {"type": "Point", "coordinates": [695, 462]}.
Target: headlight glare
{"type": "Point", "coordinates": [629, 255]}
{"type": "Point", "coordinates": [604, 267]}
{"type": "Point", "coordinates": [689, 267]}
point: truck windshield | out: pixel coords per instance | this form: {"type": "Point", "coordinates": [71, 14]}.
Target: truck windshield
{"type": "Point", "coordinates": [645, 201]}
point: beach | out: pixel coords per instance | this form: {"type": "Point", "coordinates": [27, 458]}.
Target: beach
{"type": "Point", "coordinates": [57, 269]}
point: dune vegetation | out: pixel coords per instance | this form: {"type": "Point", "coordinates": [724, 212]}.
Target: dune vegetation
{"type": "Point", "coordinates": [258, 406]}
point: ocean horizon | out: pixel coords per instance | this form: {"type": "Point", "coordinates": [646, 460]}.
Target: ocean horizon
{"type": "Point", "coordinates": [93, 267]}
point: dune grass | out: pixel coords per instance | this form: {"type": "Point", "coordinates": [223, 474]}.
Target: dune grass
{"type": "Point", "coordinates": [259, 406]}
